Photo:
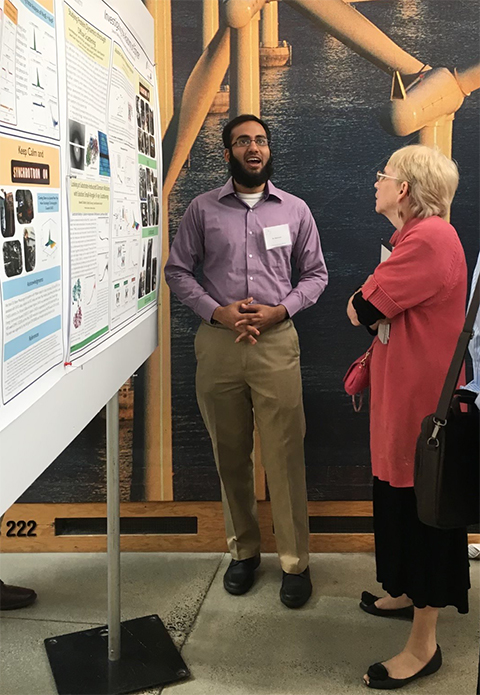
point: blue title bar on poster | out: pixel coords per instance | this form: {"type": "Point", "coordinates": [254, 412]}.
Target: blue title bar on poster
{"type": "Point", "coordinates": [40, 11]}
{"type": "Point", "coordinates": [34, 335]}
{"type": "Point", "coordinates": [14, 288]}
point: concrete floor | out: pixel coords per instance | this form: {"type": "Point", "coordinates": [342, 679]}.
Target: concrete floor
{"type": "Point", "coordinates": [245, 645]}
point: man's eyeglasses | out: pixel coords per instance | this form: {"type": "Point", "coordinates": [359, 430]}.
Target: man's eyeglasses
{"type": "Point", "coordinates": [260, 140]}
{"type": "Point", "coordinates": [381, 176]}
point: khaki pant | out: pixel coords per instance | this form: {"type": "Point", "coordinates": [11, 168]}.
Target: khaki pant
{"type": "Point", "coordinates": [234, 381]}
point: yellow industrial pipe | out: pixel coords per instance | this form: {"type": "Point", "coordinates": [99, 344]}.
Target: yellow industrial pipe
{"type": "Point", "coordinates": [202, 85]}
{"type": "Point", "coordinates": [162, 17]}
{"type": "Point", "coordinates": [350, 27]}
{"type": "Point", "coordinates": [270, 25]}
{"type": "Point", "coordinates": [245, 69]}
{"type": "Point", "coordinates": [209, 21]}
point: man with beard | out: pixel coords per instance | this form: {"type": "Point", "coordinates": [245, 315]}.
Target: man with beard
{"type": "Point", "coordinates": [245, 235]}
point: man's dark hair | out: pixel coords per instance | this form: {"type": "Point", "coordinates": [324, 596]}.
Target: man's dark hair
{"type": "Point", "coordinates": [243, 118]}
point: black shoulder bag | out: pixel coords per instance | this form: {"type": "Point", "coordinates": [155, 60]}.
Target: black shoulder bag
{"type": "Point", "coordinates": [447, 457]}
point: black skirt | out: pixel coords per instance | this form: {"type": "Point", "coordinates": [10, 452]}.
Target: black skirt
{"type": "Point", "coordinates": [429, 565]}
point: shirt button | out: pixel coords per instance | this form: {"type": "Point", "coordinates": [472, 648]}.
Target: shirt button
{"type": "Point", "coordinates": [250, 232]}
{"type": "Point", "coordinates": [251, 277]}
{"type": "Point", "coordinates": [250, 255]}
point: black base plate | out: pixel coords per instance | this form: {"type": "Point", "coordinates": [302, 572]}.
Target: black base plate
{"type": "Point", "coordinates": [80, 665]}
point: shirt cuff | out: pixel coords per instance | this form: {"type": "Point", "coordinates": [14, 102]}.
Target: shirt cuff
{"type": "Point", "coordinates": [472, 386]}
{"type": "Point", "coordinates": [205, 307]}
{"type": "Point", "coordinates": [292, 304]}
{"type": "Point", "coordinates": [380, 299]}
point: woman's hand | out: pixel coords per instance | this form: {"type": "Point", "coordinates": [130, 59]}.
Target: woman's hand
{"type": "Point", "coordinates": [351, 313]}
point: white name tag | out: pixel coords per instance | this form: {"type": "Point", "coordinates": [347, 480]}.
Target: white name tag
{"type": "Point", "coordinates": [276, 236]}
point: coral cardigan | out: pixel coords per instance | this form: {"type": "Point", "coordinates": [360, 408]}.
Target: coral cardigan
{"type": "Point", "coordinates": [422, 289]}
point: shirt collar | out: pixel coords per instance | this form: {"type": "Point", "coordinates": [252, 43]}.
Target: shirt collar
{"type": "Point", "coordinates": [270, 190]}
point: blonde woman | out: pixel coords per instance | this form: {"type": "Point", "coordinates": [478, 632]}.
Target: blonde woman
{"type": "Point", "coordinates": [416, 300]}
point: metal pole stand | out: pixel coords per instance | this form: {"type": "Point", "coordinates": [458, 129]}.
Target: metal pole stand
{"type": "Point", "coordinates": [118, 657]}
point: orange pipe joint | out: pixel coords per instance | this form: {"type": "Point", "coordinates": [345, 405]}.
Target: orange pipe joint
{"type": "Point", "coordinates": [436, 94]}
{"type": "Point", "coordinates": [238, 13]}
{"type": "Point", "coordinates": [468, 79]}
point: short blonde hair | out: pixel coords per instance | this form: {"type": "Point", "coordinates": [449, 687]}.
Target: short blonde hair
{"type": "Point", "coordinates": [431, 176]}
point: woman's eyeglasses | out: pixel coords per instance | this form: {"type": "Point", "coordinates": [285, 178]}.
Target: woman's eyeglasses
{"type": "Point", "coordinates": [381, 176]}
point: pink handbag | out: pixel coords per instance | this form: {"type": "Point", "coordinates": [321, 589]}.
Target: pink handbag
{"type": "Point", "coordinates": [357, 379]}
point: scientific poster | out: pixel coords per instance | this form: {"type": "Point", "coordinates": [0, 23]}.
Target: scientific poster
{"type": "Point", "coordinates": [30, 264]}
{"type": "Point", "coordinates": [113, 191]}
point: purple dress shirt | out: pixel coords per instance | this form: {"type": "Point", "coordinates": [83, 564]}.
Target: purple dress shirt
{"type": "Point", "coordinates": [224, 234]}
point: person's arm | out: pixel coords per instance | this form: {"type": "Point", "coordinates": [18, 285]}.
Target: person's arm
{"type": "Point", "coordinates": [416, 270]}
{"type": "Point", "coordinates": [367, 314]}
{"type": "Point", "coordinates": [474, 344]}
{"type": "Point", "coordinates": [186, 254]}
{"type": "Point", "coordinates": [308, 257]}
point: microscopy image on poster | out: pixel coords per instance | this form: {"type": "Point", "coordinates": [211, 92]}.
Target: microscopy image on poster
{"type": "Point", "coordinates": [148, 277]}
{"type": "Point", "coordinates": [148, 186]}
{"type": "Point", "coordinates": [76, 137]}
{"type": "Point", "coordinates": [28, 67]}
{"type": "Point", "coordinates": [30, 263]}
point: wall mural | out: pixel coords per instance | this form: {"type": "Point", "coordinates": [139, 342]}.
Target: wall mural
{"type": "Point", "coordinates": [324, 103]}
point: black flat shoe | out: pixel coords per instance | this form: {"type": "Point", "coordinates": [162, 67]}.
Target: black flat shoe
{"type": "Point", "coordinates": [379, 678]}
{"type": "Point", "coordinates": [296, 589]}
{"type": "Point", "coordinates": [240, 575]}
{"type": "Point", "coordinates": [367, 604]}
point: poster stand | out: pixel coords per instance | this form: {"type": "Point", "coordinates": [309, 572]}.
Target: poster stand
{"type": "Point", "coordinates": [118, 657]}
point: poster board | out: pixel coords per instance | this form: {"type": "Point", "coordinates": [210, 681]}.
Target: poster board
{"type": "Point", "coordinates": [80, 219]}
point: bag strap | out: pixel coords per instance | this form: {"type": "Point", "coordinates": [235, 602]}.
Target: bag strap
{"type": "Point", "coordinates": [458, 357]}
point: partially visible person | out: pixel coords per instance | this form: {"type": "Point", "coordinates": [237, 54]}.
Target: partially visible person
{"type": "Point", "coordinates": [474, 384]}
{"type": "Point", "coordinates": [474, 551]}
{"type": "Point", "coordinates": [13, 597]}
{"type": "Point", "coordinates": [420, 292]}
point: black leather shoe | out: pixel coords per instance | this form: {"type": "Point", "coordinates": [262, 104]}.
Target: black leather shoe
{"type": "Point", "coordinates": [240, 575]}
{"type": "Point", "coordinates": [296, 589]}
{"type": "Point", "coordinates": [380, 680]}
{"type": "Point", "coordinates": [12, 597]}
{"type": "Point", "coordinates": [367, 604]}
